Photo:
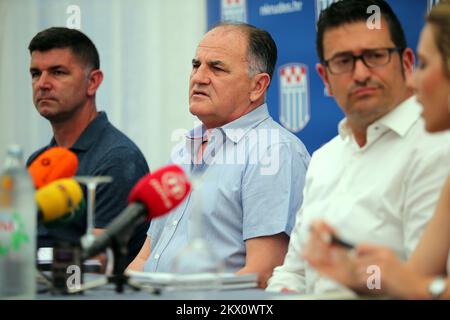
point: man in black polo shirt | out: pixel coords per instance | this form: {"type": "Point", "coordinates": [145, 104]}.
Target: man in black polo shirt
{"type": "Point", "coordinates": [65, 73]}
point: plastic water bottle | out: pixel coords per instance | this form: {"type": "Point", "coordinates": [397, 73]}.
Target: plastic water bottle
{"type": "Point", "coordinates": [17, 229]}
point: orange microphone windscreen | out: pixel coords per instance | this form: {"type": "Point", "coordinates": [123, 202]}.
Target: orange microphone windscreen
{"type": "Point", "coordinates": [53, 164]}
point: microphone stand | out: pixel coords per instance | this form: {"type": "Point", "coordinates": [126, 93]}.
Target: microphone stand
{"type": "Point", "coordinates": [119, 247]}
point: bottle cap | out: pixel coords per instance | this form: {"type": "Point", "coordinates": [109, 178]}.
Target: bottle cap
{"type": "Point", "coordinates": [15, 150]}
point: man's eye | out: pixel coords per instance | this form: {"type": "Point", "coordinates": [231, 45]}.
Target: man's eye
{"type": "Point", "coordinates": [375, 55]}
{"type": "Point", "coordinates": [342, 60]}
{"type": "Point", "coordinates": [58, 72]}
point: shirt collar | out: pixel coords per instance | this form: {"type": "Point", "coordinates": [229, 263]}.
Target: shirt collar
{"type": "Point", "coordinates": [398, 120]}
{"type": "Point", "coordinates": [90, 134]}
{"type": "Point", "coordinates": [236, 129]}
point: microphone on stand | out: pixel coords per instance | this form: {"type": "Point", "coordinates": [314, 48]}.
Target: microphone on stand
{"type": "Point", "coordinates": [58, 199]}
{"type": "Point", "coordinates": [154, 195]}
{"type": "Point", "coordinates": [58, 202]}
{"type": "Point", "coordinates": [52, 164]}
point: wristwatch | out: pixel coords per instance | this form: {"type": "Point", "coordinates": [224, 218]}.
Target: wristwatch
{"type": "Point", "coordinates": [437, 287]}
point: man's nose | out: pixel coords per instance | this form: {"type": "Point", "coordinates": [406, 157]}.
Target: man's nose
{"type": "Point", "coordinates": [200, 75]}
{"type": "Point", "coordinates": [361, 72]}
{"type": "Point", "coordinates": [43, 82]}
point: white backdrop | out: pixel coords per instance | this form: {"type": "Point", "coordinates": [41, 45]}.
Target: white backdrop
{"type": "Point", "coordinates": [145, 47]}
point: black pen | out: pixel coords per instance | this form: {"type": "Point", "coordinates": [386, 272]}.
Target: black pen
{"type": "Point", "coordinates": [339, 242]}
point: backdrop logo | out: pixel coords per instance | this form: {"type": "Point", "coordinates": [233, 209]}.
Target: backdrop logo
{"type": "Point", "coordinates": [431, 3]}
{"type": "Point", "coordinates": [294, 96]}
{"type": "Point", "coordinates": [322, 5]}
{"type": "Point", "coordinates": [234, 10]}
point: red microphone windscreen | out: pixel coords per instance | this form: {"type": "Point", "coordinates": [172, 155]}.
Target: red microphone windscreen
{"type": "Point", "coordinates": [162, 190]}
{"type": "Point", "coordinates": [53, 164]}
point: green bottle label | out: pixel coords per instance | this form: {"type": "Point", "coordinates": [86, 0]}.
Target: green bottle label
{"type": "Point", "coordinates": [12, 233]}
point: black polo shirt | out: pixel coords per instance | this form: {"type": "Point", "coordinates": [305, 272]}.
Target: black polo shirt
{"type": "Point", "coordinates": [102, 150]}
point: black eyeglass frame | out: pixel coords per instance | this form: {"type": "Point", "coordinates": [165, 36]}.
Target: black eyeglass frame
{"type": "Point", "coordinates": [326, 63]}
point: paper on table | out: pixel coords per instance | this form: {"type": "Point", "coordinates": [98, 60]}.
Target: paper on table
{"type": "Point", "coordinates": [194, 281]}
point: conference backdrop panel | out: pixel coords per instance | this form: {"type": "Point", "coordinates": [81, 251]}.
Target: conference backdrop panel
{"type": "Point", "coordinates": [297, 98]}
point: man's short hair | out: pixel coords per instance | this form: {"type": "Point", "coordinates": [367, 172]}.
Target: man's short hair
{"type": "Point", "coordinates": [261, 51]}
{"type": "Point", "coordinates": [349, 11]}
{"type": "Point", "coordinates": [60, 38]}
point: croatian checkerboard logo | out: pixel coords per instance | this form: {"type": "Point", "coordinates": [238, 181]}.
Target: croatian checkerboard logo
{"type": "Point", "coordinates": [234, 10]}
{"type": "Point", "coordinates": [294, 96]}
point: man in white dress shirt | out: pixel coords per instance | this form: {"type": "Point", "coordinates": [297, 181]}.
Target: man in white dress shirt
{"type": "Point", "coordinates": [379, 179]}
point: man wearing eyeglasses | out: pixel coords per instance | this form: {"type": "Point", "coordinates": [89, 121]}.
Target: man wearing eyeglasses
{"type": "Point", "coordinates": [379, 179]}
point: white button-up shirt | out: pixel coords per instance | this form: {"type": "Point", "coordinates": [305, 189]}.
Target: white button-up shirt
{"type": "Point", "coordinates": [384, 192]}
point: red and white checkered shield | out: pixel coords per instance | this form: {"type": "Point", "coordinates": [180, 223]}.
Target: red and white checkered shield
{"type": "Point", "coordinates": [294, 96]}
{"type": "Point", "coordinates": [234, 10]}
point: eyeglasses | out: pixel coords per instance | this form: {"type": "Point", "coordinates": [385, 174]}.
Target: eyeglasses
{"type": "Point", "coordinates": [345, 62]}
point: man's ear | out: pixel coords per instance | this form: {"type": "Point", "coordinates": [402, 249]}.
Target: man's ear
{"type": "Point", "coordinates": [259, 85]}
{"type": "Point", "coordinates": [95, 80]}
{"type": "Point", "coordinates": [322, 71]}
{"type": "Point", "coordinates": [408, 61]}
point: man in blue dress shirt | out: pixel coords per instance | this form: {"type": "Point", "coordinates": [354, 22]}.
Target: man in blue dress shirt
{"type": "Point", "coordinates": [248, 171]}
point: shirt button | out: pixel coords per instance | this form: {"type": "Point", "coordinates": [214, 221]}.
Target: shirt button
{"type": "Point", "coordinates": [156, 256]}
{"type": "Point", "coordinates": [175, 222]}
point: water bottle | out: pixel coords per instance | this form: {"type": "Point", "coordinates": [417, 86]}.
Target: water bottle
{"type": "Point", "coordinates": [17, 229]}
{"type": "Point", "coordinates": [197, 265]}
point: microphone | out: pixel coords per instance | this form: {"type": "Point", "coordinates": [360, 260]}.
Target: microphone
{"type": "Point", "coordinates": [57, 199]}
{"type": "Point", "coordinates": [154, 195]}
{"type": "Point", "coordinates": [54, 163]}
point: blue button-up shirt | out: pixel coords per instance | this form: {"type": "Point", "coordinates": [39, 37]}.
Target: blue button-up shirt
{"type": "Point", "coordinates": [249, 184]}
